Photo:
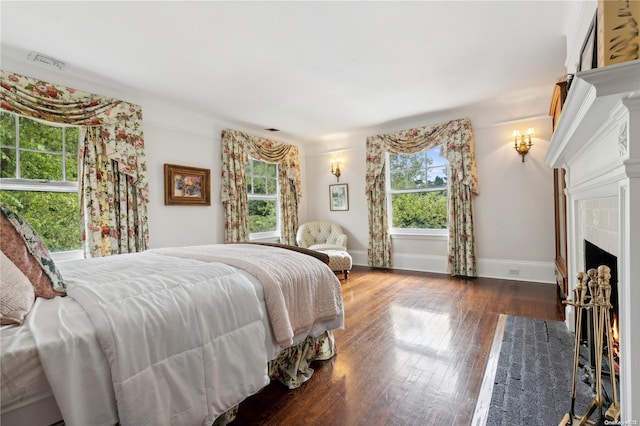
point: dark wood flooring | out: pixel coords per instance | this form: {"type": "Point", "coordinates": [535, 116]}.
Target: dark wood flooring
{"type": "Point", "coordinates": [413, 352]}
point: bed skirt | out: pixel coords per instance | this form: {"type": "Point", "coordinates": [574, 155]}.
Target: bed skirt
{"type": "Point", "coordinates": [292, 366]}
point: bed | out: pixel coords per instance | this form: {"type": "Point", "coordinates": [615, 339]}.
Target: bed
{"type": "Point", "coordinates": [167, 336]}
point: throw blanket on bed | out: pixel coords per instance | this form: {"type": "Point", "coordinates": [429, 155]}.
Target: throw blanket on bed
{"type": "Point", "coordinates": [299, 290]}
{"type": "Point", "coordinates": [184, 339]}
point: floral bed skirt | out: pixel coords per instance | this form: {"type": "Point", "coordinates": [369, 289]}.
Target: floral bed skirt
{"type": "Point", "coordinates": [292, 366]}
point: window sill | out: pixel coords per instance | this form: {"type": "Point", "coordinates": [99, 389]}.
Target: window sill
{"type": "Point", "coordinates": [267, 237]}
{"type": "Point", "coordinates": [433, 234]}
{"type": "Point", "coordinates": [63, 256]}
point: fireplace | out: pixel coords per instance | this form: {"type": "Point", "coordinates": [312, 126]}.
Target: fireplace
{"type": "Point", "coordinates": [597, 143]}
{"type": "Point", "coordinates": [595, 256]}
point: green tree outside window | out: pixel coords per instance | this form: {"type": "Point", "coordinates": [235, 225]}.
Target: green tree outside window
{"type": "Point", "coordinates": [262, 192]}
{"type": "Point", "coordinates": [418, 190]}
{"type": "Point", "coordinates": [39, 173]}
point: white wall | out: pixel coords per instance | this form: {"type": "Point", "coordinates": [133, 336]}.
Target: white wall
{"type": "Point", "coordinates": [514, 211]}
{"type": "Point", "coordinates": [181, 225]}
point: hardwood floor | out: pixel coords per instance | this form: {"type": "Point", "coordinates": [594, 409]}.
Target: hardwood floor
{"type": "Point", "coordinates": [413, 352]}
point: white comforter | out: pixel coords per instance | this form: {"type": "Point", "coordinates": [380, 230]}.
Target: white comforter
{"type": "Point", "coordinates": [299, 290]}
{"type": "Point", "coordinates": [183, 341]}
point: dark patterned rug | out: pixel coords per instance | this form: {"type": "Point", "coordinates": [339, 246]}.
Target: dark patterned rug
{"type": "Point", "coordinates": [534, 373]}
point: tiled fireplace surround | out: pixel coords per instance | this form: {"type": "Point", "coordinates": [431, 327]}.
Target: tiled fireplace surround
{"type": "Point", "coordinates": [597, 142]}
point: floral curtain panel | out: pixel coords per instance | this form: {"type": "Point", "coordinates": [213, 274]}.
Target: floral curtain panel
{"type": "Point", "coordinates": [237, 147]}
{"type": "Point", "coordinates": [456, 140]}
{"type": "Point", "coordinates": [115, 191]}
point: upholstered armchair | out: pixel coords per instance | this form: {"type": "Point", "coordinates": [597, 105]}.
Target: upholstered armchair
{"type": "Point", "coordinates": [326, 237]}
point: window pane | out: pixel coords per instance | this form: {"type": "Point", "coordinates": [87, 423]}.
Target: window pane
{"type": "Point", "coordinates": [7, 130]}
{"type": "Point", "coordinates": [35, 165]}
{"type": "Point", "coordinates": [409, 171]}
{"type": "Point", "coordinates": [434, 156]}
{"type": "Point", "coordinates": [54, 215]}
{"type": "Point", "coordinates": [437, 176]}
{"type": "Point", "coordinates": [8, 163]}
{"type": "Point", "coordinates": [272, 171]}
{"type": "Point", "coordinates": [262, 216]}
{"type": "Point", "coordinates": [259, 168]}
{"type": "Point", "coordinates": [72, 168]}
{"type": "Point", "coordinates": [420, 210]}
{"type": "Point", "coordinates": [71, 140]}
{"type": "Point", "coordinates": [272, 186]}
{"type": "Point", "coordinates": [34, 135]}
{"type": "Point", "coordinates": [397, 166]}
{"type": "Point", "coordinates": [260, 185]}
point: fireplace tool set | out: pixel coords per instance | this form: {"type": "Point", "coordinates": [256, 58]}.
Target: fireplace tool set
{"type": "Point", "coordinates": [598, 301]}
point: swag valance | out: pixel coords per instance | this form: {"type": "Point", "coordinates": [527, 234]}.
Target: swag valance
{"type": "Point", "coordinates": [237, 147]}
{"type": "Point", "coordinates": [456, 141]}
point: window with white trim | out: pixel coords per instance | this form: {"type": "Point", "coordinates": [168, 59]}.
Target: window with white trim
{"type": "Point", "coordinates": [39, 178]}
{"type": "Point", "coordinates": [262, 192]}
{"type": "Point", "coordinates": [417, 189]}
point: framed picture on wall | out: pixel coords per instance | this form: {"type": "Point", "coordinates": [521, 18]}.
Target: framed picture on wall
{"type": "Point", "coordinates": [184, 185]}
{"type": "Point", "coordinates": [339, 197]}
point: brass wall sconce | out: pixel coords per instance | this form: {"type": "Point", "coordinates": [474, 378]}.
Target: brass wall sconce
{"type": "Point", "coordinates": [522, 143]}
{"type": "Point", "coordinates": [335, 168]}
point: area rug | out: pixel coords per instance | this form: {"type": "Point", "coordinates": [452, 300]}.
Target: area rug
{"type": "Point", "coordinates": [530, 384]}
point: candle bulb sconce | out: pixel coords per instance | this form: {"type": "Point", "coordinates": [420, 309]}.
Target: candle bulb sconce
{"type": "Point", "coordinates": [335, 168]}
{"type": "Point", "coordinates": [522, 143]}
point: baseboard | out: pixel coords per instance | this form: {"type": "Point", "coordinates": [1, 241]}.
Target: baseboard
{"type": "Point", "coordinates": [515, 270]}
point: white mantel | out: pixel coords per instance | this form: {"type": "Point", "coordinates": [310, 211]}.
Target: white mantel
{"type": "Point", "coordinates": [597, 142]}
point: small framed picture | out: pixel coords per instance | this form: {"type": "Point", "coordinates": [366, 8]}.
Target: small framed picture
{"type": "Point", "coordinates": [339, 197]}
{"type": "Point", "coordinates": [184, 185]}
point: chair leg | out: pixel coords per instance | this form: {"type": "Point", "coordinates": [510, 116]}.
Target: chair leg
{"type": "Point", "coordinates": [346, 274]}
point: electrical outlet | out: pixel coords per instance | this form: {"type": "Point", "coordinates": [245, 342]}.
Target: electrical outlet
{"type": "Point", "coordinates": [514, 271]}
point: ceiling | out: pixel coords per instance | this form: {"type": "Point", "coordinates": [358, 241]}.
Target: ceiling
{"type": "Point", "coordinates": [311, 69]}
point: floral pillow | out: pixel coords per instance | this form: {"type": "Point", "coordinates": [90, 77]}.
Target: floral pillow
{"type": "Point", "coordinates": [36, 247]}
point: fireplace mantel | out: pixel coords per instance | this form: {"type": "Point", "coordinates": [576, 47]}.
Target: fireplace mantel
{"type": "Point", "coordinates": [592, 97]}
{"type": "Point", "coordinates": [597, 142]}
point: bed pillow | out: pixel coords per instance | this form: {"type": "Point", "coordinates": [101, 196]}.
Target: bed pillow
{"type": "Point", "coordinates": [15, 247]}
{"type": "Point", "coordinates": [16, 293]}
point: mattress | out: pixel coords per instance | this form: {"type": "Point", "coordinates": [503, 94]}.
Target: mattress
{"type": "Point", "coordinates": [23, 379]}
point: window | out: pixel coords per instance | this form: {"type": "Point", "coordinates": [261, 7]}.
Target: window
{"type": "Point", "coordinates": [262, 191]}
{"type": "Point", "coordinates": [39, 178]}
{"type": "Point", "coordinates": [418, 192]}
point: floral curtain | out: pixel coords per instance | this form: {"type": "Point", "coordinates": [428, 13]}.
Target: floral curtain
{"type": "Point", "coordinates": [113, 175]}
{"type": "Point", "coordinates": [237, 147]}
{"type": "Point", "coordinates": [456, 141]}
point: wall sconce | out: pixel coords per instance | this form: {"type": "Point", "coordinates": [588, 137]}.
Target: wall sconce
{"type": "Point", "coordinates": [335, 168]}
{"type": "Point", "coordinates": [522, 143]}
